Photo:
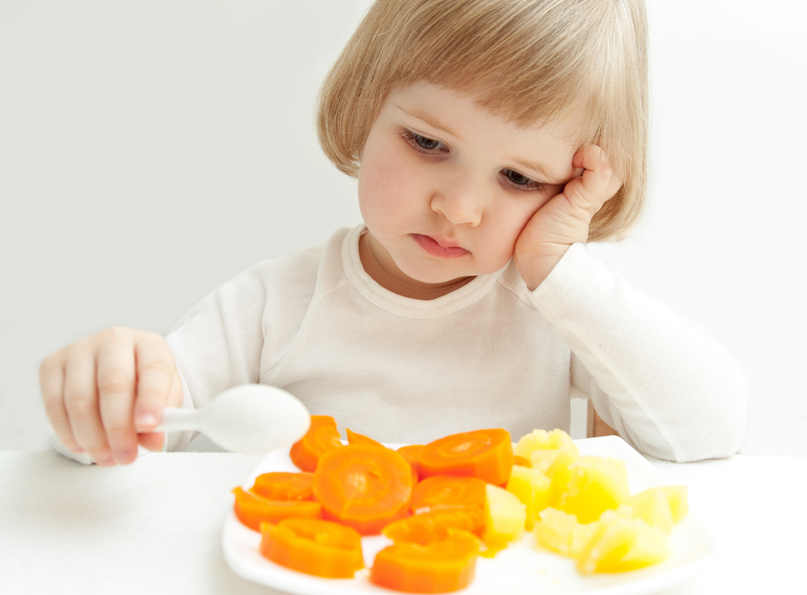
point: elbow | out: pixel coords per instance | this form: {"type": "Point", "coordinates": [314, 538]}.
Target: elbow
{"type": "Point", "coordinates": [722, 427]}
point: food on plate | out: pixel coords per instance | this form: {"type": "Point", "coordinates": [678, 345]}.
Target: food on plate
{"type": "Point", "coordinates": [561, 532]}
{"type": "Point", "coordinates": [558, 471]}
{"type": "Point", "coordinates": [252, 510]}
{"type": "Point", "coordinates": [435, 567]}
{"type": "Point", "coordinates": [283, 485]}
{"type": "Point", "coordinates": [445, 503]}
{"type": "Point", "coordinates": [321, 437]}
{"type": "Point", "coordinates": [432, 552]}
{"type": "Point", "coordinates": [531, 486]}
{"type": "Point", "coordinates": [677, 497]}
{"type": "Point", "coordinates": [486, 454]}
{"type": "Point", "coordinates": [364, 487]}
{"type": "Point", "coordinates": [653, 507]}
{"type": "Point", "coordinates": [411, 453]}
{"type": "Point", "coordinates": [434, 525]}
{"type": "Point", "coordinates": [450, 491]}
{"type": "Point", "coordinates": [628, 537]}
{"type": "Point", "coordinates": [619, 544]}
{"type": "Point", "coordinates": [542, 440]}
{"type": "Point", "coordinates": [590, 486]}
{"type": "Point", "coordinates": [540, 448]}
{"type": "Point", "coordinates": [505, 516]}
{"type": "Point", "coordinates": [313, 546]}
{"type": "Point", "coordinates": [356, 438]}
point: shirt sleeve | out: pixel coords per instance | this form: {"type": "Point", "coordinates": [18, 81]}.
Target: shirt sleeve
{"type": "Point", "coordinates": [667, 386]}
{"type": "Point", "coordinates": [218, 343]}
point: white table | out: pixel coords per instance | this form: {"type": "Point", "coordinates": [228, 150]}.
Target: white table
{"type": "Point", "coordinates": [155, 526]}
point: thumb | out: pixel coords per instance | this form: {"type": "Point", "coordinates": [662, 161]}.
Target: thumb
{"type": "Point", "coordinates": [154, 440]}
{"type": "Point", "coordinates": [158, 385]}
{"type": "Point", "coordinates": [598, 182]}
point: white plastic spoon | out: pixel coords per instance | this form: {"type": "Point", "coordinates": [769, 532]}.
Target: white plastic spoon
{"type": "Point", "coordinates": [250, 419]}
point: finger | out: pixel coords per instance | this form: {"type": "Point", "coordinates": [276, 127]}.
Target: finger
{"type": "Point", "coordinates": [151, 440]}
{"type": "Point", "coordinates": [598, 182]}
{"type": "Point", "coordinates": [51, 383]}
{"type": "Point", "coordinates": [81, 404]}
{"type": "Point", "coordinates": [591, 157]}
{"type": "Point", "coordinates": [116, 381]}
{"type": "Point", "coordinates": [154, 440]}
{"type": "Point", "coordinates": [597, 171]}
{"type": "Point", "coordinates": [155, 378]}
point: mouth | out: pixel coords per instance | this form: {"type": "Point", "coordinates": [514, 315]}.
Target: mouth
{"type": "Point", "coordinates": [440, 250]}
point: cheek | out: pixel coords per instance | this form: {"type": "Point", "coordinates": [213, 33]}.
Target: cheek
{"type": "Point", "coordinates": [522, 213]}
{"type": "Point", "coordinates": [515, 215]}
{"type": "Point", "coordinates": [384, 185]}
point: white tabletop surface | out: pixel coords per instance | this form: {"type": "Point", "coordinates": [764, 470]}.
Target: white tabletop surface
{"type": "Point", "coordinates": [155, 526]}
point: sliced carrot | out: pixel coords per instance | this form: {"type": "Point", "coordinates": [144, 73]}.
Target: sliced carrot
{"type": "Point", "coordinates": [313, 546]}
{"type": "Point", "coordinates": [451, 492]}
{"type": "Point", "coordinates": [486, 454]}
{"type": "Point", "coordinates": [354, 438]}
{"type": "Point", "coordinates": [411, 453]}
{"type": "Point", "coordinates": [522, 461]}
{"type": "Point", "coordinates": [321, 437]}
{"type": "Point", "coordinates": [364, 487]}
{"type": "Point", "coordinates": [282, 485]}
{"type": "Point", "coordinates": [435, 525]}
{"type": "Point", "coordinates": [252, 510]}
{"type": "Point", "coordinates": [438, 567]}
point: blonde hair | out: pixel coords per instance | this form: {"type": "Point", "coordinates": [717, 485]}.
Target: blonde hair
{"type": "Point", "coordinates": [532, 62]}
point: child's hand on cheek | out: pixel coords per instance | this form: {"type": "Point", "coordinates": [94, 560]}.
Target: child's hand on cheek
{"type": "Point", "coordinates": [566, 217]}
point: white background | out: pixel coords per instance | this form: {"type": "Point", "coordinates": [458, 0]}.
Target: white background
{"type": "Point", "coordinates": [150, 150]}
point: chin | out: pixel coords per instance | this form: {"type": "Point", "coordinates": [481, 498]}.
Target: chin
{"type": "Point", "coordinates": [437, 274]}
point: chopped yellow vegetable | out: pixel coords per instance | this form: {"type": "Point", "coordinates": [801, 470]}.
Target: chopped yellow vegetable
{"type": "Point", "coordinates": [592, 486]}
{"type": "Point", "coordinates": [618, 544]}
{"type": "Point", "coordinates": [505, 516]}
{"type": "Point", "coordinates": [531, 486]}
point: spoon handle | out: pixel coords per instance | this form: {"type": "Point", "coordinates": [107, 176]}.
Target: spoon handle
{"type": "Point", "coordinates": [175, 419]}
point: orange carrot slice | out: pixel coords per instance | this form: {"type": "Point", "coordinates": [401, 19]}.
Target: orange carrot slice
{"type": "Point", "coordinates": [313, 546]}
{"type": "Point", "coordinates": [486, 454]}
{"type": "Point", "coordinates": [412, 453]}
{"type": "Point", "coordinates": [364, 487]}
{"type": "Point", "coordinates": [451, 492]}
{"type": "Point", "coordinates": [437, 567]}
{"type": "Point", "coordinates": [321, 437]}
{"type": "Point", "coordinates": [427, 527]}
{"type": "Point", "coordinates": [252, 510]}
{"type": "Point", "coordinates": [282, 485]}
{"type": "Point", "coordinates": [354, 438]}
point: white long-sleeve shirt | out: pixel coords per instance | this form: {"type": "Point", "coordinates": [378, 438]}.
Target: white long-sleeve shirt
{"type": "Point", "coordinates": [490, 354]}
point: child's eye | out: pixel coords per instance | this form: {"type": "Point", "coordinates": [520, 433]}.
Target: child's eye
{"type": "Point", "coordinates": [423, 143]}
{"type": "Point", "coordinates": [521, 181]}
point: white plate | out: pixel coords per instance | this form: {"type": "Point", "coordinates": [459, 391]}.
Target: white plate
{"type": "Point", "coordinates": [521, 568]}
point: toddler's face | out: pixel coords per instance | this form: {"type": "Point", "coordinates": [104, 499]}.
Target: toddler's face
{"type": "Point", "coordinates": [445, 188]}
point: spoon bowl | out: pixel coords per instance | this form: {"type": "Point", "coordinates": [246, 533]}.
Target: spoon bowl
{"type": "Point", "coordinates": [250, 419]}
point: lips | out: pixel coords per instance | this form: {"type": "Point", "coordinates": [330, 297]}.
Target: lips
{"type": "Point", "coordinates": [438, 249]}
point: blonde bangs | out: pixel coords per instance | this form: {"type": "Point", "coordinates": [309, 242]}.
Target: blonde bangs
{"type": "Point", "coordinates": [532, 62]}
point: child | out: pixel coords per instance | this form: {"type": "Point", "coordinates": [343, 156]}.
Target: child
{"type": "Point", "coordinates": [491, 139]}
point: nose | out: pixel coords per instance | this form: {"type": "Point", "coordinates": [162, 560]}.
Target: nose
{"type": "Point", "coordinates": [462, 202]}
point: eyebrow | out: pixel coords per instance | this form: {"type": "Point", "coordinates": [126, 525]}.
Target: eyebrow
{"type": "Point", "coordinates": [424, 116]}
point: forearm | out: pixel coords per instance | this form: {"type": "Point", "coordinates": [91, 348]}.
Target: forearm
{"type": "Point", "coordinates": [664, 384]}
